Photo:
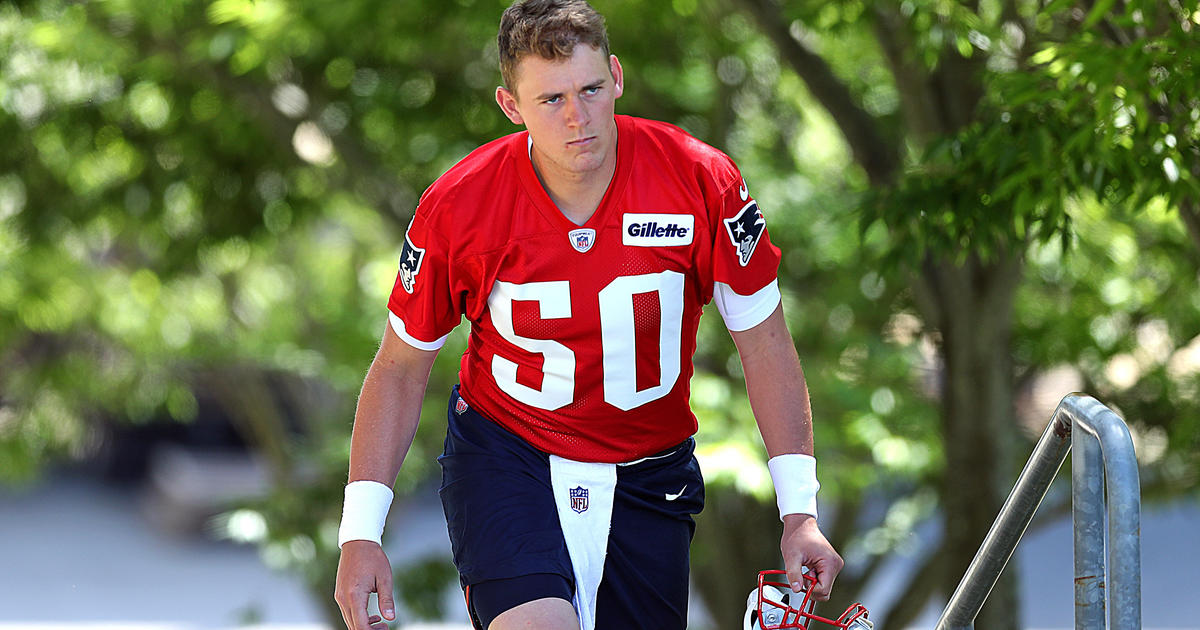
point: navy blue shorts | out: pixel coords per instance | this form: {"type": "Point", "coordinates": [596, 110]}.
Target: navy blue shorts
{"type": "Point", "coordinates": [503, 522]}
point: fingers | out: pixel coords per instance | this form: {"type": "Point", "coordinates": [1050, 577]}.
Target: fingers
{"type": "Point", "coordinates": [354, 612]}
{"type": "Point", "coordinates": [827, 570]}
{"type": "Point", "coordinates": [795, 579]}
{"type": "Point", "coordinates": [387, 601]}
{"type": "Point", "coordinates": [358, 575]}
{"type": "Point", "coordinates": [351, 599]}
{"type": "Point", "coordinates": [803, 545]}
{"type": "Point", "coordinates": [343, 602]}
{"type": "Point", "coordinates": [363, 569]}
{"type": "Point", "coordinates": [823, 565]}
{"type": "Point", "coordinates": [355, 617]}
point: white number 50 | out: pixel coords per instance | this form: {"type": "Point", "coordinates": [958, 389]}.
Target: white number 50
{"type": "Point", "coordinates": [617, 335]}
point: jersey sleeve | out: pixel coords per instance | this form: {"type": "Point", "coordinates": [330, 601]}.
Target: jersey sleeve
{"type": "Point", "coordinates": [745, 261]}
{"type": "Point", "coordinates": [421, 308]}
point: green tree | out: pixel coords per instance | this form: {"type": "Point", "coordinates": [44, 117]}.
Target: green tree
{"type": "Point", "coordinates": [1130, 323]}
{"type": "Point", "coordinates": [200, 206]}
{"type": "Point", "coordinates": [1006, 112]}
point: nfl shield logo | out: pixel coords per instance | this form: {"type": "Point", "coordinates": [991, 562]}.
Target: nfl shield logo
{"type": "Point", "coordinates": [579, 499]}
{"type": "Point", "coordinates": [582, 239]}
{"type": "Point", "coordinates": [460, 406]}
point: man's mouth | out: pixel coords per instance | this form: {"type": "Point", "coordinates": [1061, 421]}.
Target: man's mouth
{"type": "Point", "coordinates": [581, 142]}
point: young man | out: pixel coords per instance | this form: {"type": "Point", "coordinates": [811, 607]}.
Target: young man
{"type": "Point", "coordinates": [582, 251]}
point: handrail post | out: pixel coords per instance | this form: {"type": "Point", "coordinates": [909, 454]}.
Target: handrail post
{"type": "Point", "coordinates": [1087, 518]}
{"type": "Point", "coordinates": [1123, 571]}
{"type": "Point", "coordinates": [1104, 459]}
{"type": "Point", "coordinates": [1009, 526]}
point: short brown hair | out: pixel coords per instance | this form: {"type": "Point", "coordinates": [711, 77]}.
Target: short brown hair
{"type": "Point", "coordinates": [548, 28]}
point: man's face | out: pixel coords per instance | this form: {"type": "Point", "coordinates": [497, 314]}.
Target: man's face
{"type": "Point", "coordinates": [567, 106]}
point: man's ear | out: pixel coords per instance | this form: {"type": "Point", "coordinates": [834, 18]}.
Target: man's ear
{"type": "Point", "coordinates": [618, 75]}
{"type": "Point", "coordinates": [508, 104]}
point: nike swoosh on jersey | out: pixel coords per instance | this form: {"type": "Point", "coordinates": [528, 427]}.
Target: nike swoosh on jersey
{"type": "Point", "coordinates": [672, 497]}
{"type": "Point", "coordinates": [743, 192]}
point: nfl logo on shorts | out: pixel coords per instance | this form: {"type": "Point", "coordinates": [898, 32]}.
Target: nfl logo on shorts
{"type": "Point", "coordinates": [460, 406]}
{"type": "Point", "coordinates": [579, 499]}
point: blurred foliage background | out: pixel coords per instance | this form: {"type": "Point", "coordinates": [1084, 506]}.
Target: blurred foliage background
{"type": "Point", "coordinates": [983, 205]}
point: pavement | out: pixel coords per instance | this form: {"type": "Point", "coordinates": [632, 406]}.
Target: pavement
{"type": "Point", "coordinates": [78, 553]}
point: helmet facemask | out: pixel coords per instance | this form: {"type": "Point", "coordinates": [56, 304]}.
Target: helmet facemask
{"type": "Point", "coordinates": [774, 606]}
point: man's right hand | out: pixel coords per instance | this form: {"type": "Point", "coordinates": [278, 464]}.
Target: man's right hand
{"type": "Point", "coordinates": [364, 569]}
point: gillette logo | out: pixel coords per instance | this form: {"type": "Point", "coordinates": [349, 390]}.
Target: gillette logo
{"type": "Point", "coordinates": [657, 230]}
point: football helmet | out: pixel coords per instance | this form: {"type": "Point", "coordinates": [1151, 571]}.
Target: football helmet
{"type": "Point", "coordinates": [773, 605]}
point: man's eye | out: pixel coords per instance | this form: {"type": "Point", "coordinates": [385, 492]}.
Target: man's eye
{"type": "Point", "coordinates": [553, 99]}
{"type": "Point", "coordinates": [591, 91]}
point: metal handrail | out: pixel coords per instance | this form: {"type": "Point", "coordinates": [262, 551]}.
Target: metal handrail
{"type": "Point", "coordinates": [1103, 452]}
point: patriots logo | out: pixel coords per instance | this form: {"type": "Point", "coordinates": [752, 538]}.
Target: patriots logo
{"type": "Point", "coordinates": [579, 499]}
{"type": "Point", "coordinates": [410, 263]}
{"type": "Point", "coordinates": [745, 229]}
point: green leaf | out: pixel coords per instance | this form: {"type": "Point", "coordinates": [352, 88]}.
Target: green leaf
{"type": "Point", "coordinates": [1045, 55]}
{"type": "Point", "coordinates": [1097, 13]}
{"type": "Point", "coordinates": [1056, 6]}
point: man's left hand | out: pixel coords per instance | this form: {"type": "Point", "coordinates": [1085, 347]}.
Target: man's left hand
{"type": "Point", "coordinates": [803, 545]}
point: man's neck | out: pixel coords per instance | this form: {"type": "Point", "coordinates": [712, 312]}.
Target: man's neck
{"type": "Point", "coordinates": [577, 195]}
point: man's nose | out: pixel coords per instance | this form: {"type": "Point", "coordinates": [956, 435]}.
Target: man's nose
{"type": "Point", "coordinates": [576, 114]}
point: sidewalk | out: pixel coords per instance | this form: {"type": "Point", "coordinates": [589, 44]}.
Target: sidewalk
{"type": "Point", "coordinates": [78, 554]}
{"type": "Point", "coordinates": [75, 553]}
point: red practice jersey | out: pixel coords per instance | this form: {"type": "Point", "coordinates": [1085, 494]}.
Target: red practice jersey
{"type": "Point", "coordinates": [582, 336]}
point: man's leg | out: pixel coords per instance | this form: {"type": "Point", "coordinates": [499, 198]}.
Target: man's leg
{"type": "Point", "coordinates": [550, 613]}
{"type": "Point", "coordinates": [645, 583]}
{"type": "Point", "coordinates": [503, 524]}
{"type": "Point", "coordinates": [537, 600]}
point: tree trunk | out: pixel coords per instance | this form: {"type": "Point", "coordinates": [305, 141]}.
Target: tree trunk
{"type": "Point", "coordinates": [971, 304]}
{"type": "Point", "coordinates": [1189, 212]}
{"type": "Point", "coordinates": [736, 537]}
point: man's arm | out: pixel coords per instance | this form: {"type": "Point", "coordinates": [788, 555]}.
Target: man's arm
{"type": "Point", "coordinates": [779, 397]}
{"type": "Point", "coordinates": [389, 408]}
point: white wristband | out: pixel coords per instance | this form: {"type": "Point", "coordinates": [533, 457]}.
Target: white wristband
{"type": "Point", "coordinates": [795, 478]}
{"type": "Point", "coordinates": [364, 511]}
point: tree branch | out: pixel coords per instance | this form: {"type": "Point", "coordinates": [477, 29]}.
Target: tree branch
{"type": "Point", "coordinates": [248, 401]}
{"type": "Point", "coordinates": [1189, 211]}
{"type": "Point", "coordinates": [255, 100]}
{"type": "Point", "coordinates": [912, 82]}
{"type": "Point", "coordinates": [878, 156]}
